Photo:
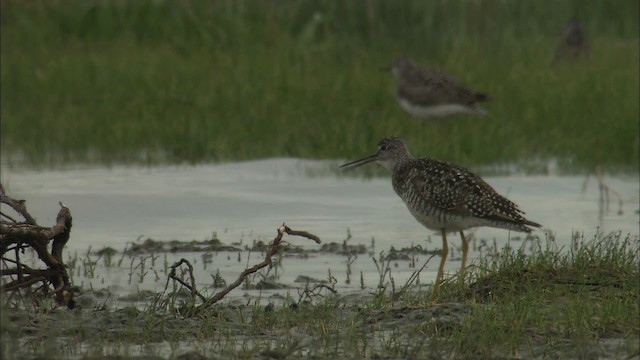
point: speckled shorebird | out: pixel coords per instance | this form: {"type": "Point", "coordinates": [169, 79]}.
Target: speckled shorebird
{"type": "Point", "coordinates": [445, 197]}
{"type": "Point", "coordinates": [574, 42]}
{"type": "Point", "coordinates": [430, 93]}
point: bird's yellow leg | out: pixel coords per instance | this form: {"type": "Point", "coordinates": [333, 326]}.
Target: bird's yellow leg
{"type": "Point", "coordinates": [465, 251]}
{"type": "Point", "coordinates": [445, 252]}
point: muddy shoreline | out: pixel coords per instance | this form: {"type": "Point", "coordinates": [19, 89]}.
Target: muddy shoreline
{"type": "Point", "coordinates": [274, 320]}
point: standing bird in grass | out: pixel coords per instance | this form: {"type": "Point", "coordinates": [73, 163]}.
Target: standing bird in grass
{"type": "Point", "coordinates": [429, 93]}
{"type": "Point", "coordinates": [574, 44]}
{"type": "Point", "coordinates": [445, 197]}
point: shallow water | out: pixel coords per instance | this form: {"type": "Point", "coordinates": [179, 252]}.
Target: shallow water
{"type": "Point", "coordinates": [248, 201]}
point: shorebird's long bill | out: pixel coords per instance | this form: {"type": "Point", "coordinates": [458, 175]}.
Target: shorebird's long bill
{"type": "Point", "coordinates": [355, 164]}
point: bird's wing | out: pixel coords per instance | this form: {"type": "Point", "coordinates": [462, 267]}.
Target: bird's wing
{"type": "Point", "coordinates": [430, 87]}
{"type": "Point", "coordinates": [454, 189]}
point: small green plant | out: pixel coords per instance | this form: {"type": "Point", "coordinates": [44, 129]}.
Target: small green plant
{"type": "Point", "coordinates": [107, 254]}
{"type": "Point", "coordinates": [140, 268]}
{"type": "Point", "coordinates": [218, 281]}
{"type": "Point", "coordinates": [383, 265]}
{"type": "Point", "coordinates": [89, 265]}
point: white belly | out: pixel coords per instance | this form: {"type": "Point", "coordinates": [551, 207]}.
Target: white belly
{"type": "Point", "coordinates": [434, 111]}
{"type": "Point", "coordinates": [449, 223]}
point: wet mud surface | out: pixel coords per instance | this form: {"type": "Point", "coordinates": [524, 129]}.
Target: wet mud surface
{"type": "Point", "coordinates": [160, 323]}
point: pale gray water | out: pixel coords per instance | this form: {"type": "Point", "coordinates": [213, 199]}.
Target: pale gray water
{"type": "Point", "coordinates": [249, 200]}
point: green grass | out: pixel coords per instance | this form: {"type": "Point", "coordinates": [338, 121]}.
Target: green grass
{"type": "Point", "coordinates": [191, 81]}
{"type": "Point", "coordinates": [579, 296]}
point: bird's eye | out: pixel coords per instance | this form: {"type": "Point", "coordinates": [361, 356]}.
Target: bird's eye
{"type": "Point", "coordinates": [384, 147]}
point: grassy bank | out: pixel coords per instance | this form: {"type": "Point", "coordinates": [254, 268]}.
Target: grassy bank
{"type": "Point", "coordinates": [175, 81]}
{"type": "Point", "coordinates": [554, 303]}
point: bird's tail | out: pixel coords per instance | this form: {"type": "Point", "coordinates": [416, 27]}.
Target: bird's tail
{"type": "Point", "coordinates": [531, 224]}
{"type": "Point", "coordinates": [478, 110]}
{"type": "Point", "coordinates": [482, 97]}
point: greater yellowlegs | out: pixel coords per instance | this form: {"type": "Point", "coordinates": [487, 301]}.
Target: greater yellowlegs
{"type": "Point", "coordinates": [430, 93]}
{"type": "Point", "coordinates": [574, 41]}
{"type": "Point", "coordinates": [445, 197]}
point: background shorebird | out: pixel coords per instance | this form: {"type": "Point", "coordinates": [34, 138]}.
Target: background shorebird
{"type": "Point", "coordinates": [430, 93]}
{"type": "Point", "coordinates": [574, 43]}
{"type": "Point", "coordinates": [445, 197]}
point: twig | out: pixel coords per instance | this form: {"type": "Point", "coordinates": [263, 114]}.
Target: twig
{"type": "Point", "coordinates": [275, 246]}
{"type": "Point", "coordinates": [192, 286]}
{"type": "Point", "coordinates": [412, 278]}
{"type": "Point", "coordinates": [315, 292]}
{"type": "Point", "coordinates": [301, 233]}
{"type": "Point", "coordinates": [19, 206]}
{"type": "Point", "coordinates": [8, 217]}
{"type": "Point", "coordinates": [26, 281]}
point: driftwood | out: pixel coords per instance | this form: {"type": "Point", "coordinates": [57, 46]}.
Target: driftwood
{"type": "Point", "coordinates": [273, 249]}
{"type": "Point", "coordinates": [17, 236]}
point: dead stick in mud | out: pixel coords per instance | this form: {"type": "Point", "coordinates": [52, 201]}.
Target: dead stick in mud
{"type": "Point", "coordinates": [275, 246]}
{"type": "Point", "coordinates": [315, 292]}
{"type": "Point", "coordinates": [301, 233]}
{"type": "Point", "coordinates": [192, 286]}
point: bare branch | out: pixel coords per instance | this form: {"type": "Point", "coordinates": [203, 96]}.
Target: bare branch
{"type": "Point", "coordinates": [301, 233]}
{"type": "Point", "coordinates": [275, 247]}
{"type": "Point", "coordinates": [19, 206]}
{"type": "Point", "coordinates": [192, 286]}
